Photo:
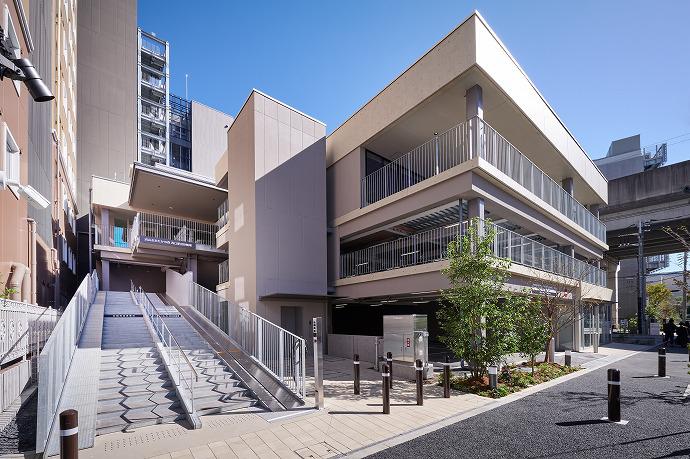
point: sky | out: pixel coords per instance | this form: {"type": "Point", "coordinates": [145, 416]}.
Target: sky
{"type": "Point", "coordinates": [610, 69]}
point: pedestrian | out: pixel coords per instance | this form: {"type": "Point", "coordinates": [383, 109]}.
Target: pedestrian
{"type": "Point", "coordinates": [682, 332]}
{"type": "Point", "coordinates": [669, 331]}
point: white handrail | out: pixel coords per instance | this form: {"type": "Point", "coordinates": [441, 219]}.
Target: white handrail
{"type": "Point", "coordinates": [175, 353]}
{"type": "Point", "coordinates": [279, 351]}
{"type": "Point", "coordinates": [56, 357]}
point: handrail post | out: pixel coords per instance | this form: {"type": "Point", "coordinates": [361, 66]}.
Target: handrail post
{"type": "Point", "coordinates": [281, 351]}
{"type": "Point", "coordinates": [259, 339]}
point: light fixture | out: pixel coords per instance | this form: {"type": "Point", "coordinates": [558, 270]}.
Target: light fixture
{"type": "Point", "coordinates": [339, 306]}
{"type": "Point", "coordinates": [23, 70]}
{"type": "Point", "coordinates": [375, 305]}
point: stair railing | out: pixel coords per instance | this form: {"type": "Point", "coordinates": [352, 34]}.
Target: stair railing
{"type": "Point", "coordinates": [182, 371]}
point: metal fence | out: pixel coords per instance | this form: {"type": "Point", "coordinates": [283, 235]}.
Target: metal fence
{"type": "Point", "coordinates": [461, 143]}
{"type": "Point", "coordinates": [223, 214]}
{"type": "Point", "coordinates": [432, 245]}
{"type": "Point", "coordinates": [279, 351]}
{"type": "Point", "coordinates": [56, 356]}
{"type": "Point", "coordinates": [181, 369]}
{"type": "Point", "coordinates": [175, 229]}
{"type": "Point", "coordinates": [223, 271]}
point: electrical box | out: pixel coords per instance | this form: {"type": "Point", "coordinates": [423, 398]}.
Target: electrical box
{"type": "Point", "coordinates": [406, 337]}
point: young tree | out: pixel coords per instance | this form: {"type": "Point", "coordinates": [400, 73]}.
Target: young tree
{"type": "Point", "coordinates": [532, 327]}
{"type": "Point", "coordinates": [661, 305]}
{"type": "Point", "coordinates": [477, 314]}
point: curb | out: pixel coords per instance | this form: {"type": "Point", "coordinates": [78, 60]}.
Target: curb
{"type": "Point", "coordinates": [428, 428]}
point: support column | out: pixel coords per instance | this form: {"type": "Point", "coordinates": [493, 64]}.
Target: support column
{"type": "Point", "coordinates": [568, 186]}
{"type": "Point", "coordinates": [475, 208]}
{"type": "Point", "coordinates": [474, 102]}
{"type": "Point", "coordinates": [192, 266]}
{"type": "Point", "coordinates": [105, 274]}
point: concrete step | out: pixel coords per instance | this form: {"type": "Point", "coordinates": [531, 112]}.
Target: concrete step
{"type": "Point", "coordinates": [115, 422]}
{"type": "Point", "coordinates": [146, 388]}
{"type": "Point", "coordinates": [136, 402]}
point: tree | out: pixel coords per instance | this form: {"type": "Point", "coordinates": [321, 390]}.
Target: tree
{"type": "Point", "coordinates": [477, 314]}
{"type": "Point", "coordinates": [660, 304]}
{"type": "Point", "coordinates": [532, 328]}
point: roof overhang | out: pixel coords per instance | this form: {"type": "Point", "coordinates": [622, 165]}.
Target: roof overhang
{"type": "Point", "coordinates": [165, 191]}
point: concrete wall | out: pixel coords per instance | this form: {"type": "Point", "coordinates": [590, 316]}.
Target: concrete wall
{"type": "Point", "coordinates": [177, 286]}
{"type": "Point", "coordinates": [209, 138]}
{"type": "Point", "coordinates": [107, 92]}
{"type": "Point", "coordinates": [347, 346]}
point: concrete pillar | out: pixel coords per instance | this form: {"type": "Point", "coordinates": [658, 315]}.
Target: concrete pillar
{"type": "Point", "coordinates": [474, 102]}
{"type": "Point", "coordinates": [105, 274]}
{"type": "Point", "coordinates": [475, 208]}
{"type": "Point", "coordinates": [192, 266]}
{"type": "Point", "coordinates": [105, 218]}
{"type": "Point", "coordinates": [568, 186]}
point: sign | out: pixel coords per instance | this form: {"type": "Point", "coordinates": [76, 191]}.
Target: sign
{"type": "Point", "coordinates": [167, 242]}
{"type": "Point", "coordinates": [407, 342]}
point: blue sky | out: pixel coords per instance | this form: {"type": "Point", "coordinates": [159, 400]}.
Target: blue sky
{"type": "Point", "coordinates": [609, 68]}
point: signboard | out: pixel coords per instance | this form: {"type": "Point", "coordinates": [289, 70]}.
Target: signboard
{"type": "Point", "coordinates": [167, 242]}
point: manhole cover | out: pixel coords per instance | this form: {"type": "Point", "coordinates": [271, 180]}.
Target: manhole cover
{"type": "Point", "coordinates": [317, 450]}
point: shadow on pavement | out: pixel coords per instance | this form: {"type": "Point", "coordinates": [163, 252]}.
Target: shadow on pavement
{"type": "Point", "coordinates": [581, 423]}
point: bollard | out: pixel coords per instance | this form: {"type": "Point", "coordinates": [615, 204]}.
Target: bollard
{"type": "Point", "coordinates": [614, 385]}
{"type": "Point", "coordinates": [493, 376]}
{"type": "Point", "coordinates": [389, 361]}
{"type": "Point", "coordinates": [446, 378]}
{"type": "Point", "coordinates": [356, 371]}
{"type": "Point", "coordinates": [419, 371]}
{"type": "Point", "coordinates": [662, 363]}
{"type": "Point", "coordinates": [568, 358]}
{"type": "Point", "coordinates": [69, 436]}
{"type": "Point", "coordinates": [386, 389]}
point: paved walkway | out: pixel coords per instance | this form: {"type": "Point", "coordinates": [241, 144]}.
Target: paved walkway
{"type": "Point", "coordinates": [564, 421]}
{"type": "Point", "coordinates": [348, 426]}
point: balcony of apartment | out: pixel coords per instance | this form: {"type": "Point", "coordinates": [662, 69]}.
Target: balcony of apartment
{"type": "Point", "coordinates": [461, 144]}
{"type": "Point", "coordinates": [153, 95]}
{"type": "Point", "coordinates": [152, 81]}
{"type": "Point", "coordinates": [153, 146]}
{"type": "Point", "coordinates": [118, 237]}
{"type": "Point", "coordinates": [153, 113]}
{"type": "Point", "coordinates": [155, 129]}
{"type": "Point", "coordinates": [223, 234]}
{"type": "Point", "coordinates": [529, 258]}
{"type": "Point", "coordinates": [152, 46]}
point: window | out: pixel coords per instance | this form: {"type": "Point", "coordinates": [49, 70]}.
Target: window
{"type": "Point", "coordinates": [11, 161]}
{"type": "Point", "coordinates": [12, 41]}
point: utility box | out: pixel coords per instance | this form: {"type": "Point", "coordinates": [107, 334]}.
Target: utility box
{"type": "Point", "coordinates": [406, 337]}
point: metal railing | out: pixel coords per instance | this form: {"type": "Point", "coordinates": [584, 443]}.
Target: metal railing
{"type": "Point", "coordinates": [56, 356]}
{"type": "Point", "coordinates": [152, 112]}
{"type": "Point", "coordinates": [24, 329]}
{"type": "Point", "coordinates": [166, 228]}
{"type": "Point", "coordinates": [461, 143]}
{"type": "Point", "coordinates": [277, 350]}
{"type": "Point", "coordinates": [113, 236]}
{"type": "Point", "coordinates": [153, 47]}
{"type": "Point", "coordinates": [223, 271]}
{"type": "Point", "coordinates": [153, 146]}
{"type": "Point", "coordinates": [432, 245]}
{"type": "Point", "coordinates": [181, 369]}
{"type": "Point", "coordinates": [223, 214]}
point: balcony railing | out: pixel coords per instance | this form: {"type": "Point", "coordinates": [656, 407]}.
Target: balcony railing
{"type": "Point", "coordinates": [154, 113]}
{"type": "Point", "coordinates": [113, 236]}
{"type": "Point", "coordinates": [173, 231]}
{"type": "Point", "coordinates": [432, 245]}
{"type": "Point", "coordinates": [153, 146]}
{"type": "Point", "coordinates": [462, 143]}
{"type": "Point", "coordinates": [223, 214]}
{"type": "Point", "coordinates": [223, 272]}
{"type": "Point", "coordinates": [152, 47]}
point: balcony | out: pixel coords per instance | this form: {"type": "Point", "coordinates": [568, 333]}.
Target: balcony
{"type": "Point", "coordinates": [173, 233]}
{"type": "Point", "coordinates": [153, 47]}
{"type": "Point", "coordinates": [113, 236]}
{"type": "Point", "coordinates": [223, 272]}
{"type": "Point", "coordinates": [432, 245]}
{"type": "Point", "coordinates": [153, 113]}
{"type": "Point", "coordinates": [154, 82]}
{"type": "Point", "coordinates": [461, 143]}
{"type": "Point", "coordinates": [153, 147]}
{"type": "Point", "coordinates": [223, 214]}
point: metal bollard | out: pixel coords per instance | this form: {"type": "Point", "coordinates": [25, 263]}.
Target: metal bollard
{"type": "Point", "coordinates": [419, 372]}
{"type": "Point", "coordinates": [568, 358]}
{"type": "Point", "coordinates": [662, 363]}
{"type": "Point", "coordinates": [493, 376]}
{"type": "Point", "coordinates": [386, 389]}
{"type": "Point", "coordinates": [446, 378]}
{"type": "Point", "coordinates": [69, 434]}
{"type": "Point", "coordinates": [356, 371]}
{"type": "Point", "coordinates": [389, 361]}
{"type": "Point", "coordinates": [614, 386]}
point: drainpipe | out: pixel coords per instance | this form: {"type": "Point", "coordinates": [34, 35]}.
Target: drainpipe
{"type": "Point", "coordinates": [26, 286]}
{"type": "Point", "coordinates": [90, 231]}
{"type": "Point", "coordinates": [16, 279]}
{"type": "Point", "coordinates": [32, 257]}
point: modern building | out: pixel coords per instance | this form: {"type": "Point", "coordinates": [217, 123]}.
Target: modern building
{"type": "Point", "coordinates": [462, 133]}
{"type": "Point", "coordinates": [627, 157]}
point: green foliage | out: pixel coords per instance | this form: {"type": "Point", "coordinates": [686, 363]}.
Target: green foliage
{"type": "Point", "coordinates": [532, 326]}
{"type": "Point", "coordinates": [477, 317]}
{"type": "Point", "coordinates": [661, 305]}
{"type": "Point", "coordinates": [8, 293]}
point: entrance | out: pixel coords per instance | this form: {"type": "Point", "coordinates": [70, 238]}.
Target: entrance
{"type": "Point", "coordinates": [291, 319]}
{"type": "Point", "coordinates": [596, 325]}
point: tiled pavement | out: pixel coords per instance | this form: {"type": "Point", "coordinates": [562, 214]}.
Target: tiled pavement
{"type": "Point", "coordinates": [348, 424]}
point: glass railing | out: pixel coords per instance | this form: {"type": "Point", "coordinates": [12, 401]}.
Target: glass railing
{"type": "Point", "coordinates": [462, 143]}
{"type": "Point", "coordinates": [152, 47]}
{"type": "Point", "coordinates": [432, 245]}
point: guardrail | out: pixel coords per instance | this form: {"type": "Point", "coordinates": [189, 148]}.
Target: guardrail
{"type": "Point", "coordinates": [113, 236]}
{"type": "Point", "coordinates": [174, 229]}
{"type": "Point", "coordinates": [432, 245]}
{"type": "Point", "coordinates": [277, 350]}
{"type": "Point", "coordinates": [461, 143]}
{"type": "Point", "coordinates": [184, 375]}
{"type": "Point", "coordinates": [56, 356]}
{"type": "Point", "coordinates": [223, 271]}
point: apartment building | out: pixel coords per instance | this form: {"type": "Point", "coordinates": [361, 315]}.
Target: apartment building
{"type": "Point", "coordinates": [462, 133]}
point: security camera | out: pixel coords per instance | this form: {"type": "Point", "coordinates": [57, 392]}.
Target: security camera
{"type": "Point", "coordinates": [32, 80]}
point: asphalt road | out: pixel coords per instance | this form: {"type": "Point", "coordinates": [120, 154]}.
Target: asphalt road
{"type": "Point", "coordinates": [565, 420]}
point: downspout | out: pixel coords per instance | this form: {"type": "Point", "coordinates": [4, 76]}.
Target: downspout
{"type": "Point", "coordinates": [15, 281]}
{"type": "Point", "coordinates": [90, 229]}
{"type": "Point", "coordinates": [32, 257]}
{"type": "Point", "coordinates": [26, 286]}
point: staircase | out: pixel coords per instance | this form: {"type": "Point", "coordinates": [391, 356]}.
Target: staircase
{"type": "Point", "coordinates": [218, 390]}
{"type": "Point", "coordinates": [134, 387]}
